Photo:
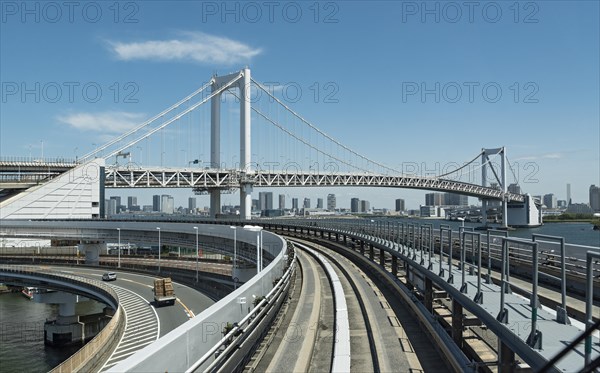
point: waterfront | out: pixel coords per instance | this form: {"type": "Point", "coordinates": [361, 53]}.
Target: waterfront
{"type": "Point", "coordinates": [22, 347]}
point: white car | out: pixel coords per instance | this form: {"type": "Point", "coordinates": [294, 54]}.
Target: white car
{"type": "Point", "coordinates": [109, 276]}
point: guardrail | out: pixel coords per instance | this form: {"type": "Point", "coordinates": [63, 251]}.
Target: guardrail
{"type": "Point", "coordinates": [415, 254]}
{"type": "Point", "coordinates": [92, 353]}
{"type": "Point", "coordinates": [196, 339]}
{"type": "Point", "coordinates": [239, 331]}
{"type": "Point", "coordinates": [341, 339]}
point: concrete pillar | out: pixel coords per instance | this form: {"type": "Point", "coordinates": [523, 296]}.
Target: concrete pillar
{"type": "Point", "coordinates": [215, 147]}
{"type": "Point", "coordinates": [245, 142]}
{"type": "Point", "coordinates": [371, 252]}
{"type": "Point", "coordinates": [92, 251]}
{"type": "Point", "coordinates": [394, 265]}
{"type": "Point", "coordinates": [457, 323]}
{"type": "Point", "coordinates": [362, 248]}
{"type": "Point", "coordinates": [345, 240]}
{"type": "Point", "coordinates": [382, 258]}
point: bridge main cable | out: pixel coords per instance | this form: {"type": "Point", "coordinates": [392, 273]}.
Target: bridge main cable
{"type": "Point", "coordinates": [144, 124]}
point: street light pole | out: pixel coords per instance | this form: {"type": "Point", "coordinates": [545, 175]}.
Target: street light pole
{"type": "Point", "coordinates": [119, 243]}
{"type": "Point", "coordinates": [258, 230]}
{"type": "Point", "coordinates": [234, 254]}
{"type": "Point", "coordinates": [158, 228]}
{"type": "Point", "coordinates": [196, 229]}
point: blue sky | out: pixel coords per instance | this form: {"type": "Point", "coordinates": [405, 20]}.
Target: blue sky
{"type": "Point", "coordinates": [371, 62]}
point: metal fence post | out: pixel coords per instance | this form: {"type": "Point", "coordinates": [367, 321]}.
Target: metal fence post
{"type": "Point", "coordinates": [503, 314]}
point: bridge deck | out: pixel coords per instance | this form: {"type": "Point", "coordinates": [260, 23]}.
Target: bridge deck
{"type": "Point", "coordinates": [555, 336]}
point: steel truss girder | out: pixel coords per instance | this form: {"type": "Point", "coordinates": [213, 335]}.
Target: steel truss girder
{"type": "Point", "coordinates": [228, 179]}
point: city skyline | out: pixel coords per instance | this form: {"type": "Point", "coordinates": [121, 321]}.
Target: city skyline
{"type": "Point", "coordinates": [340, 199]}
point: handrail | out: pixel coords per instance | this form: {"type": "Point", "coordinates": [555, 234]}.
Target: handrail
{"type": "Point", "coordinates": [250, 319]}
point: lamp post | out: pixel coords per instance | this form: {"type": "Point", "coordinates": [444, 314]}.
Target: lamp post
{"type": "Point", "coordinates": [258, 230]}
{"type": "Point", "coordinates": [234, 250]}
{"type": "Point", "coordinates": [196, 229]}
{"type": "Point", "coordinates": [158, 228]}
{"type": "Point", "coordinates": [119, 248]}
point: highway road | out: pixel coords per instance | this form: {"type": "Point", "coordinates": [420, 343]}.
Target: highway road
{"type": "Point", "coordinates": [145, 323]}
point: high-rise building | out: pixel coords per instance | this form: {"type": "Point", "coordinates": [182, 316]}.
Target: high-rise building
{"type": "Point", "coordinates": [167, 204]}
{"type": "Point", "coordinates": [568, 194]}
{"type": "Point", "coordinates": [331, 202]}
{"type": "Point", "coordinates": [453, 199]}
{"type": "Point", "coordinates": [355, 205]}
{"type": "Point", "coordinates": [295, 204]}
{"type": "Point", "coordinates": [117, 202]}
{"type": "Point", "coordinates": [255, 205]}
{"type": "Point", "coordinates": [434, 199]}
{"type": "Point", "coordinates": [400, 204]}
{"type": "Point", "coordinates": [265, 201]}
{"type": "Point", "coordinates": [319, 203]}
{"type": "Point", "coordinates": [550, 201]}
{"type": "Point", "coordinates": [131, 202]}
{"type": "Point", "coordinates": [156, 202]}
{"type": "Point", "coordinates": [111, 206]}
{"type": "Point", "coordinates": [192, 203]}
{"type": "Point", "coordinates": [595, 198]}
{"type": "Point", "coordinates": [561, 204]}
{"type": "Point", "coordinates": [365, 205]}
{"type": "Point", "coordinates": [282, 201]}
{"type": "Point", "coordinates": [306, 203]}
{"type": "Point", "coordinates": [514, 188]}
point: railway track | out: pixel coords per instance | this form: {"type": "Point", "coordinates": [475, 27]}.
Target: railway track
{"type": "Point", "coordinates": [335, 302]}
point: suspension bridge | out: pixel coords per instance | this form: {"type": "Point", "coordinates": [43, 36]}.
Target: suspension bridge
{"type": "Point", "coordinates": [192, 144]}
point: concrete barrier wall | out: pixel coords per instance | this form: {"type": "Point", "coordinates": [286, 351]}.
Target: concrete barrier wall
{"type": "Point", "coordinates": [179, 349]}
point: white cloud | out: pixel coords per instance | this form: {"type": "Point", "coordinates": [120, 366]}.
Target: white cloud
{"type": "Point", "coordinates": [540, 156]}
{"type": "Point", "coordinates": [193, 46]}
{"type": "Point", "coordinates": [113, 122]}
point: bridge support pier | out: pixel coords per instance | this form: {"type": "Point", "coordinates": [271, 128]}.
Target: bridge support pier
{"type": "Point", "coordinates": [92, 251]}
{"type": "Point", "coordinates": [362, 248]}
{"type": "Point", "coordinates": [394, 265]}
{"type": "Point", "coordinates": [371, 252]}
{"type": "Point", "coordinates": [382, 257]}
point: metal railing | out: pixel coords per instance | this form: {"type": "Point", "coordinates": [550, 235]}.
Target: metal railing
{"type": "Point", "coordinates": [92, 353]}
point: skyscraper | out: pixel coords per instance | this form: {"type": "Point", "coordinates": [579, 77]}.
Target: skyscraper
{"type": "Point", "coordinates": [265, 201]}
{"type": "Point", "coordinates": [131, 202]}
{"type": "Point", "coordinates": [156, 202]}
{"type": "Point", "coordinates": [319, 203]}
{"type": "Point", "coordinates": [568, 194]}
{"type": "Point", "coordinates": [167, 204]}
{"type": "Point", "coordinates": [514, 188]}
{"type": "Point", "coordinates": [117, 202]}
{"type": "Point", "coordinates": [331, 202]}
{"type": "Point", "coordinates": [354, 205]}
{"type": "Point", "coordinates": [282, 201]}
{"type": "Point", "coordinates": [295, 204]}
{"type": "Point", "coordinates": [550, 201]}
{"type": "Point", "coordinates": [434, 199]}
{"type": "Point", "coordinates": [365, 206]}
{"type": "Point", "coordinates": [595, 198]}
{"type": "Point", "coordinates": [400, 204]}
{"type": "Point", "coordinates": [453, 199]}
{"type": "Point", "coordinates": [192, 203]}
{"type": "Point", "coordinates": [306, 203]}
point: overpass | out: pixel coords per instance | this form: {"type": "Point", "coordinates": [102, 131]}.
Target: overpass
{"type": "Point", "coordinates": [410, 248]}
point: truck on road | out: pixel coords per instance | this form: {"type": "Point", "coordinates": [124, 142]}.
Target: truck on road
{"type": "Point", "coordinates": [163, 292]}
